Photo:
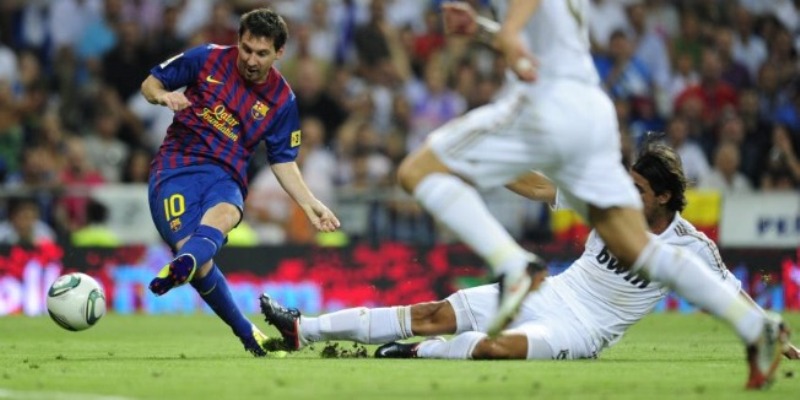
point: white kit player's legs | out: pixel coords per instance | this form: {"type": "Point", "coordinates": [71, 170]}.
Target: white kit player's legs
{"type": "Point", "coordinates": [363, 325]}
{"type": "Point", "coordinates": [460, 347]}
{"type": "Point", "coordinates": [685, 273]}
{"type": "Point", "coordinates": [458, 206]}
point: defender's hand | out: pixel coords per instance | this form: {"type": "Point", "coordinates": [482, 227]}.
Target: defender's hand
{"type": "Point", "coordinates": [175, 101]}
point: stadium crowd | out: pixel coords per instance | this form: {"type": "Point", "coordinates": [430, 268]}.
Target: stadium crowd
{"type": "Point", "coordinates": [372, 79]}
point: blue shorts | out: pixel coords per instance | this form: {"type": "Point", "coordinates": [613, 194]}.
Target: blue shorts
{"type": "Point", "coordinates": [180, 197]}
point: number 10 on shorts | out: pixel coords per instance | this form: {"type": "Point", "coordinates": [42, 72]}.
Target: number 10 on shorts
{"type": "Point", "coordinates": [174, 206]}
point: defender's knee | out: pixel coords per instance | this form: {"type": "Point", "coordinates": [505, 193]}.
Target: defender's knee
{"type": "Point", "coordinates": [435, 318]}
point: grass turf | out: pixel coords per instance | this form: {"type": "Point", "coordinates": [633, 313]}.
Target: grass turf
{"type": "Point", "coordinates": [666, 356]}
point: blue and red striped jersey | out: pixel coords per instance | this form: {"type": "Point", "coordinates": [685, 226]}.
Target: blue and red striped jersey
{"type": "Point", "coordinates": [228, 116]}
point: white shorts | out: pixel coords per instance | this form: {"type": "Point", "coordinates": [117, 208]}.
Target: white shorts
{"type": "Point", "coordinates": [542, 318]}
{"type": "Point", "coordinates": [565, 129]}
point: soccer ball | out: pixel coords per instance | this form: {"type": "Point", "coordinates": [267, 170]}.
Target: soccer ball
{"type": "Point", "coordinates": [76, 301]}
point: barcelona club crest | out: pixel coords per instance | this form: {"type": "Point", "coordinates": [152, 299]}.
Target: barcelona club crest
{"type": "Point", "coordinates": [175, 224]}
{"type": "Point", "coordinates": [259, 110]}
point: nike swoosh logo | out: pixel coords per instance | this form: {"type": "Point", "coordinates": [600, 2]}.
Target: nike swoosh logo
{"type": "Point", "coordinates": [209, 79]}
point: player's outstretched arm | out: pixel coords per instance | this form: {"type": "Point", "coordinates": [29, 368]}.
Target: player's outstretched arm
{"type": "Point", "coordinates": [534, 186]}
{"type": "Point", "coordinates": [291, 180]}
{"type": "Point", "coordinates": [155, 93]}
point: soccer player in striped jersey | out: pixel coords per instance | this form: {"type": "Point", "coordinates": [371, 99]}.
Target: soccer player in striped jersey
{"type": "Point", "coordinates": [573, 315]}
{"type": "Point", "coordinates": [233, 100]}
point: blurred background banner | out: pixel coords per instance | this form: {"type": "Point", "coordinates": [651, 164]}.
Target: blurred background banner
{"type": "Point", "coordinates": [756, 220]}
{"type": "Point", "coordinates": [318, 279]}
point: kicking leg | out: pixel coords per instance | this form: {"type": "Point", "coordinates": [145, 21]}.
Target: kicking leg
{"type": "Point", "coordinates": [197, 250]}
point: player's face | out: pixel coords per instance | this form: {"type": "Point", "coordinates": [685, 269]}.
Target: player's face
{"type": "Point", "coordinates": [256, 56]}
{"type": "Point", "coordinates": [649, 198]}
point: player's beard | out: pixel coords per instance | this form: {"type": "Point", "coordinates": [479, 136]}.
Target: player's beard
{"type": "Point", "coordinates": [252, 74]}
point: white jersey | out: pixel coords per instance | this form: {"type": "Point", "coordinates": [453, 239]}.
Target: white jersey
{"type": "Point", "coordinates": [608, 299]}
{"type": "Point", "coordinates": [558, 37]}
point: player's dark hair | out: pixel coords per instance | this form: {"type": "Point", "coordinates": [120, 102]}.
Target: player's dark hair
{"type": "Point", "coordinates": [263, 22]}
{"type": "Point", "coordinates": [661, 166]}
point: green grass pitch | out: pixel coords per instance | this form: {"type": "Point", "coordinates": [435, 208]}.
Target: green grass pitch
{"type": "Point", "coordinates": [666, 356]}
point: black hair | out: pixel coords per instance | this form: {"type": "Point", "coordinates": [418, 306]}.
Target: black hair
{"type": "Point", "coordinates": [263, 22]}
{"type": "Point", "coordinates": [661, 166]}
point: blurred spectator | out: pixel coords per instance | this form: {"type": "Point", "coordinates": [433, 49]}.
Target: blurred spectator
{"type": "Point", "coordinates": [748, 48]}
{"type": "Point", "coordinates": [165, 42]}
{"type": "Point", "coordinates": [192, 16]}
{"type": "Point", "coordinates": [137, 166]}
{"type": "Point", "coordinates": [12, 136]}
{"type": "Point", "coordinates": [783, 167]}
{"type": "Point", "coordinates": [222, 28]}
{"type": "Point", "coordinates": [312, 99]}
{"type": "Point", "coordinates": [95, 233]}
{"type": "Point", "coordinates": [8, 64]}
{"type": "Point", "coordinates": [688, 41]}
{"type": "Point", "coordinates": [649, 47]}
{"type": "Point", "coordinates": [733, 72]}
{"type": "Point", "coordinates": [37, 170]}
{"type": "Point", "coordinates": [684, 76]}
{"type": "Point", "coordinates": [662, 18]}
{"type": "Point", "coordinates": [788, 113]}
{"type": "Point", "coordinates": [147, 14]}
{"type": "Point", "coordinates": [24, 227]}
{"type": "Point", "coordinates": [695, 163]}
{"type": "Point", "coordinates": [770, 93]}
{"type": "Point", "coordinates": [725, 176]}
{"type": "Point", "coordinates": [432, 103]}
{"type": "Point", "coordinates": [607, 16]}
{"type": "Point", "coordinates": [714, 94]}
{"type": "Point", "coordinates": [79, 175]}
{"type": "Point", "coordinates": [32, 92]}
{"type": "Point", "coordinates": [127, 64]}
{"type": "Point", "coordinates": [99, 36]}
{"type": "Point", "coordinates": [379, 47]}
{"type": "Point", "coordinates": [623, 74]}
{"type": "Point", "coordinates": [360, 164]}
{"type": "Point", "coordinates": [757, 136]}
{"type": "Point", "coordinates": [104, 150]}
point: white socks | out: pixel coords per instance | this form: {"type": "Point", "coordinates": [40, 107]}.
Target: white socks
{"type": "Point", "coordinates": [460, 347]}
{"type": "Point", "coordinates": [685, 273]}
{"type": "Point", "coordinates": [458, 206]}
{"type": "Point", "coordinates": [363, 325]}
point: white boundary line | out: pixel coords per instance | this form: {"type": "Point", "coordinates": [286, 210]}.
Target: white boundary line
{"type": "Point", "coordinates": [47, 395]}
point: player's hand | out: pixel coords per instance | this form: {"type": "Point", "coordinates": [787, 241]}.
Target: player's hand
{"type": "Point", "coordinates": [321, 217]}
{"type": "Point", "coordinates": [175, 101]}
{"type": "Point", "coordinates": [517, 57]}
{"type": "Point", "coordinates": [459, 18]}
{"type": "Point", "coordinates": [792, 352]}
